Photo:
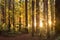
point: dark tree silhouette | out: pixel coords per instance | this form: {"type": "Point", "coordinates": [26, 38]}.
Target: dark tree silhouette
{"type": "Point", "coordinates": [20, 17]}
{"type": "Point", "coordinates": [26, 14]}
{"type": "Point", "coordinates": [33, 17]}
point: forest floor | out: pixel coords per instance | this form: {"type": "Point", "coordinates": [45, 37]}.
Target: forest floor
{"type": "Point", "coordinates": [23, 37]}
{"type": "Point", "coordinates": [19, 37]}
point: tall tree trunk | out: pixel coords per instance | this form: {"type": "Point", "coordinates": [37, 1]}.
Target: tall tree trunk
{"type": "Point", "coordinates": [3, 10]}
{"type": "Point", "coordinates": [0, 15]}
{"type": "Point", "coordinates": [26, 14]}
{"type": "Point", "coordinates": [33, 17]}
{"type": "Point", "coordinates": [20, 18]}
{"type": "Point", "coordinates": [37, 16]}
{"type": "Point", "coordinates": [46, 16]}
{"type": "Point", "coordinates": [13, 14]}
{"type": "Point", "coordinates": [48, 29]}
{"type": "Point", "coordinates": [52, 18]}
{"type": "Point", "coordinates": [9, 7]}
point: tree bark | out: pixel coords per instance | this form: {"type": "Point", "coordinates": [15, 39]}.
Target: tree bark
{"type": "Point", "coordinates": [37, 16]}
{"type": "Point", "coordinates": [33, 17]}
{"type": "Point", "coordinates": [9, 7]}
{"type": "Point", "coordinates": [26, 14]}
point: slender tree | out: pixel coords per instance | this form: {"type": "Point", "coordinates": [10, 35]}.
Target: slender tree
{"type": "Point", "coordinates": [26, 14]}
{"type": "Point", "coordinates": [5, 10]}
{"type": "Point", "coordinates": [20, 17]}
{"type": "Point", "coordinates": [46, 16]}
{"type": "Point", "coordinates": [48, 29]}
{"type": "Point", "coordinates": [33, 17]}
{"type": "Point", "coordinates": [37, 16]}
{"type": "Point", "coordinates": [9, 7]}
{"type": "Point", "coordinates": [2, 9]}
{"type": "Point", "coordinates": [13, 14]}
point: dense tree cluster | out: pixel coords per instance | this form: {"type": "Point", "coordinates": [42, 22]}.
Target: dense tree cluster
{"type": "Point", "coordinates": [36, 16]}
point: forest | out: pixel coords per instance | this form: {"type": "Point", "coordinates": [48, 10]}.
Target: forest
{"type": "Point", "coordinates": [28, 16]}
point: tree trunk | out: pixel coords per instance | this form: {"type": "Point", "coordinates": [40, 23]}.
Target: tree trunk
{"type": "Point", "coordinates": [26, 14]}
{"type": "Point", "coordinates": [37, 16]}
{"type": "Point", "coordinates": [13, 15]}
{"type": "Point", "coordinates": [33, 17]}
{"type": "Point", "coordinates": [20, 19]}
{"type": "Point", "coordinates": [48, 28]}
{"type": "Point", "coordinates": [9, 7]}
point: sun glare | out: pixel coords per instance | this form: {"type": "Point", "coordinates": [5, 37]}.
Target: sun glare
{"type": "Point", "coordinates": [35, 23]}
{"type": "Point", "coordinates": [50, 22]}
{"type": "Point", "coordinates": [41, 23]}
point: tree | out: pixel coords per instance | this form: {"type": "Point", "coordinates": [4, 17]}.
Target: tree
{"type": "Point", "coordinates": [26, 14]}
{"type": "Point", "coordinates": [20, 17]}
{"type": "Point", "coordinates": [9, 7]}
{"type": "Point", "coordinates": [37, 16]}
{"type": "Point", "coordinates": [3, 10]}
{"type": "Point", "coordinates": [33, 17]}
